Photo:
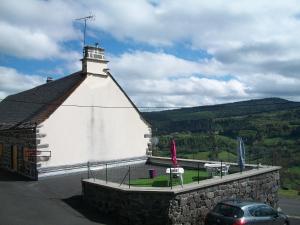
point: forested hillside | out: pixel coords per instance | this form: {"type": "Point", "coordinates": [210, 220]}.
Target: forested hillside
{"type": "Point", "coordinates": [269, 127]}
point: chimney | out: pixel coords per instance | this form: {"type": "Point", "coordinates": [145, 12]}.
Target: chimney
{"type": "Point", "coordinates": [49, 79]}
{"type": "Point", "coordinates": [94, 62]}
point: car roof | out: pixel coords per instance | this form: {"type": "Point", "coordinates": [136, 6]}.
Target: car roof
{"type": "Point", "coordinates": [241, 203]}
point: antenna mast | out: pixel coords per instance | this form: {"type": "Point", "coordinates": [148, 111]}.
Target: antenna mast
{"type": "Point", "coordinates": [90, 17]}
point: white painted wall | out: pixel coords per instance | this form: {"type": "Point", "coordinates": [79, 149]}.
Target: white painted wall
{"type": "Point", "coordinates": [78, 135]}
{"type": "Point", "coordinates": [92, 67]}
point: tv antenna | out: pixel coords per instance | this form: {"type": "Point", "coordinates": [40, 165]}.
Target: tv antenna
{"type": "Point", "coordinates": [86, 18]}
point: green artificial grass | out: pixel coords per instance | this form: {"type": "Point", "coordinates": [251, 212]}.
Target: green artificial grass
{"type": "Point", "coordinates": [189, 176]}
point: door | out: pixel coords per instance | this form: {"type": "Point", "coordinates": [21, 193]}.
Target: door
{"type": "Point", "coordinates": [14, 158]}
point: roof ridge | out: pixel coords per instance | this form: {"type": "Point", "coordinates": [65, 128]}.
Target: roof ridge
{"type": "Point", "coordinates": [45, 84]}
{"type": "Point", "coordinates": [38, 103]}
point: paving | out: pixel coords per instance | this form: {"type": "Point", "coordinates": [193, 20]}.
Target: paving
{"type": "Point", "coordinates": [50, 201]}
{"type": "Point", "coordinates": [57, 200]}
{"type": "Point", "coordinates": [291, 207]}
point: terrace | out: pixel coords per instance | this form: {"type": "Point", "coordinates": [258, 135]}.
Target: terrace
{"type": "Point", "coordinates": [139, 174]}
{"type": "Point", "coordinates": [129, 192]}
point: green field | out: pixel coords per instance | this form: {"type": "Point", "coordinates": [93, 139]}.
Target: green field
{"type": "Point", "coordinates": [222, 155]}
{"type": "Point", "coordinates": [269, 127]}
{"type": "Point", "coordinates": [289, 193]}
{"type": "Point", "coordinates": [189, 176]}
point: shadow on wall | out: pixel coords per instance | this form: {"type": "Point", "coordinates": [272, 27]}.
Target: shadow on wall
{"type": "Point", "coordinates": [77, 203]}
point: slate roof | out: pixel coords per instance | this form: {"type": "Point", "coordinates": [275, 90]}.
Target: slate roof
{"type": "Point", "coordinates": [31, 107]}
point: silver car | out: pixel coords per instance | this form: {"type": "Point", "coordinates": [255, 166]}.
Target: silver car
{"type": "Point", "coordinates": [235, 212]}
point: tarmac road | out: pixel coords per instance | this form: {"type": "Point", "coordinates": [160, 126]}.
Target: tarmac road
{"type": "Point", "coordinates": [57, 200]}
{"type": "Point", "coordinates": [52, 201]}
{"type": "Point", "coordinates": [291, 207]}
{"type": "Point", "coordinates": [46, 202]}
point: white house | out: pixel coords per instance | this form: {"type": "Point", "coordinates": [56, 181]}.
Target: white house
{"type": "Point", "coordinates": [62, 125]}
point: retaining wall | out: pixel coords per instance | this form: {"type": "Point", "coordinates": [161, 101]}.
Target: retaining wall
{"type": "Point", "coordinates": [187, 205]}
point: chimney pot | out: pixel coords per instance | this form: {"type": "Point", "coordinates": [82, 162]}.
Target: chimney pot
{"type": "Point", "coordinates": [49, 79]}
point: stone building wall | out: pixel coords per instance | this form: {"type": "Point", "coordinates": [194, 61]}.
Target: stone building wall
{"type": "Point", "coordinates": [187, 205]}
{"type": "Point", "coordinates": [24, 141]}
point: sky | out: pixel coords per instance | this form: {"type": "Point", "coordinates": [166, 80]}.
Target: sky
{"type": "Point", "coordinates": [164, 53]}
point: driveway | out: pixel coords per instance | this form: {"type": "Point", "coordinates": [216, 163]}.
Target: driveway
{"type": "Point", "coordinates": [57, 200]}
{"type": "Point", "coordinates": [50, 201]}
{"type": "Point", "coordinates": [291, 207]}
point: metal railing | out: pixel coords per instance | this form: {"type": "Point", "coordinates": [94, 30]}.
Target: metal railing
{"type": "Point", "coordinates": [136, 174]}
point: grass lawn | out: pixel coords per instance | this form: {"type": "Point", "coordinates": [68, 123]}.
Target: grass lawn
{"type": "Point", "coordinates": [222, 155]}
{"type": "Point", "coordinates": [294, 169]}
{"type": "Point", "coordinates": [196, 155]}
{"type": "Point", "coordinates": [289, 193]}
{"type": "Point", "coordinates": [189, 176]}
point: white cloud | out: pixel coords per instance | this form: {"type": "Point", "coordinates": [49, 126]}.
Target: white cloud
{"type": "Point", "coordinates": [160, 79]}
{"type": "Point", "coordinates": [143, 64]}
{"type": "Point", "coordinates": [254, 42]}
{"type": "Point", "coordinates": [12, 81]}
{"type": "Point", "coordinates": [37, 29]}
{"type": "Point", "coordinates": [274, 85]}
{"type": "Point", "coordinates": [22, 43]}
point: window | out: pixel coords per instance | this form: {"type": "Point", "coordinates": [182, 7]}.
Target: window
{"type": "Point", "coordinates": [228, 211]}
{"type": "Point", "coordinates": [262, 211]}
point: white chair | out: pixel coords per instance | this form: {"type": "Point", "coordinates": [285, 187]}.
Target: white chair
{"type": "Point", "coordinates": [215, 168]}
{"type": "Point", "coordinates": [178, 171]}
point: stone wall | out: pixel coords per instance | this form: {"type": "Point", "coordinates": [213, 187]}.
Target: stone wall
{"type": "Point", "coordinates": [131, 207]}
{"type": "Point", "coordinates": [187, 205]}
{"type": "Point", "coordinates": [22, 140]}
{"type": "Point", "coordinates": [192, 207]}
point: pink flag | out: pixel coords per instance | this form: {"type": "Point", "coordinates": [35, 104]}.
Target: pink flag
{"type": "Point", "coordinates": [173, 152]}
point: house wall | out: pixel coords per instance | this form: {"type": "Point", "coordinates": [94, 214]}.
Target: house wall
{"type": "Point", "coordinates": [94, 67]}
{"type": "Point", "coordinates": [77, 135]}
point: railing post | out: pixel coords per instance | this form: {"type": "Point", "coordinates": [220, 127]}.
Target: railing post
{"type": "Point", "coordinates": [198, 173]}
{"type": "Point", "coordinates": [171, 177]}
{"type": "Point", "coordinates": [221, 169]}
{"type": "Point", "coordinates": [257, 160]}
{"type": "Point", "coordinates": [129, 177]}
{"type": "Point", "coordinates": [106, 172]}
{"type": "Point", "coordinates": [88, 167]}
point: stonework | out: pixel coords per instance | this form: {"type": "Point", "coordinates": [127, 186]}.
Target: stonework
{"type": "Point", "coordinates": [187, 206]}
{"type": "Point", "coordinates": [23, 142]}
{"type": "Point", "coordinates": [192, 207]}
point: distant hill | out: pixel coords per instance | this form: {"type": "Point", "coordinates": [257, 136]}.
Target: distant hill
{"type": "Point", "coordinates": [270, 128]}
{"type": "Point", "coordinates": [198, 119]}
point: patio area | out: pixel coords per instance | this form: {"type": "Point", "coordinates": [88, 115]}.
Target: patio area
{"type": "Point", "coordinates": [155, 172]}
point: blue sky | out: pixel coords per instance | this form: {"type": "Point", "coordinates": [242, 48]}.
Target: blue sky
{"type": "Point", "coordinates": [163, 53]}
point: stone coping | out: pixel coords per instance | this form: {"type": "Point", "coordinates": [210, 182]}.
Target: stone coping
{"type": "Point", "coordinates": [186, 187]}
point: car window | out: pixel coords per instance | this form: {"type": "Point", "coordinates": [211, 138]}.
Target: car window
{"type": "Point", "coordinates": [228, 210]}
{"type": "Point", "coordinates": [262, 211]}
